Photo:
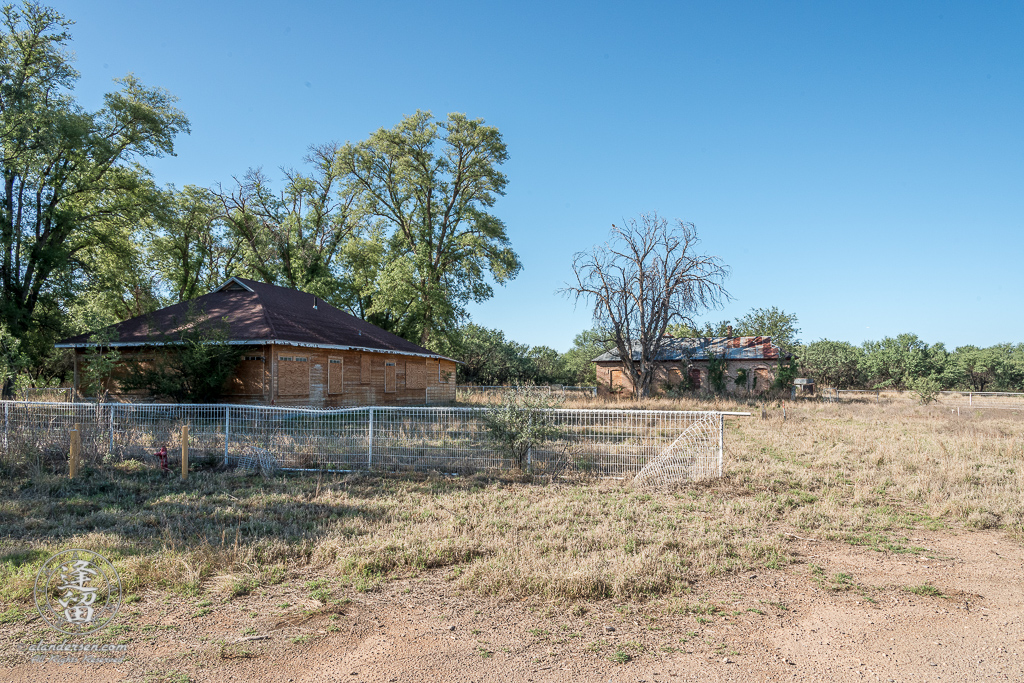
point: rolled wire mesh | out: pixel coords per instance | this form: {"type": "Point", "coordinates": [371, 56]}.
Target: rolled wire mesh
{"type": "Point", "coordinates": [448, 439]}
{"type": "Point", "coordinates": [693, 455]}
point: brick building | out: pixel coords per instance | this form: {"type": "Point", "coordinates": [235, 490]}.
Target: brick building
{"type": "Point", "coordinates": [299, 350]}
{"type": "Point", "coordinates": [684, 362]}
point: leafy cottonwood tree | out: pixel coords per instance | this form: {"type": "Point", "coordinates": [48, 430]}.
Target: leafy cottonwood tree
{"type": "Point", "coordinates": [66, 171]}
{"type": "Point", "coordinates": [432, 183]}
{"type": "Point", "coordinates": [293, 238]}
{"type": "Point", "coordinates": [188, 245]}
{"type": "Point", "coordinates": [647, 277]}
{"type": "Point", "coordinates": [769, 322]}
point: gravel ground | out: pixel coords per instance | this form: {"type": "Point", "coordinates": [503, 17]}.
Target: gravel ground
{"type": "Point", "coordinates": [840, 613]}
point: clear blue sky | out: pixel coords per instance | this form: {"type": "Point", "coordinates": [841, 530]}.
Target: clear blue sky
{"type": "Point", "coordinates": [859, 164]}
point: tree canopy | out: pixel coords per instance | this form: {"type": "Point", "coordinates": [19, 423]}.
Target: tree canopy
{"type": "Point", "coordinates": [432, 184]}
{"type": "Point", "coordinates": [70, 175]}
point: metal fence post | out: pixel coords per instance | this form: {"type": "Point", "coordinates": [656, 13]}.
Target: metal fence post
{"type": "Point", "coordinates": [970, 399]}
{"type": "Point", "coordinates": [369, 453]}
{"type": "Point", "coordinates": [721, 441]}
{"type": "Point", "coordinates": [227, 431]}
{"type": "Point", "coordinates": [7, 425]}
{"type": "Point", "coordinates": [111, 451]}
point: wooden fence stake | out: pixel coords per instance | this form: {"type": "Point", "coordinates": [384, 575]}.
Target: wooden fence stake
{"type": "Point", "coordinates": [76, 447]}
{"type": "Point", "coordinates": [184, 452]}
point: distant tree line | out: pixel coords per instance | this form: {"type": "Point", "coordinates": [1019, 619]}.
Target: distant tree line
{"type": "Point", "coordinates": [905, 361]}
{"type": "Point", "coordinates": [488, 358]}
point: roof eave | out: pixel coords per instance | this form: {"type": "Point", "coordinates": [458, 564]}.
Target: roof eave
{"type": "Point", "coordinates": [251, 342]}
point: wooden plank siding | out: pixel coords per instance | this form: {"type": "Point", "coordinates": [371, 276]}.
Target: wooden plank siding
{"type": "Point", "coordinates": [328, 378]}
{"type": "Point", "coordinates": [371, 380]}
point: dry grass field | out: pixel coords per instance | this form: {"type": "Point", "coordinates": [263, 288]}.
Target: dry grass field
{"type": "Point", "coordinates": [868, 476]}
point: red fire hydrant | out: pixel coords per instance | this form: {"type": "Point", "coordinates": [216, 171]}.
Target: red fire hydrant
{"type": "Point", "coordinates": [162, 454]}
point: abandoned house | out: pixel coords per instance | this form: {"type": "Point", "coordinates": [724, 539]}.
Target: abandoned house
{"type": "Point", "coordinates": [298, 350]}
{"type": "Point", "coordinates": [683, 364]}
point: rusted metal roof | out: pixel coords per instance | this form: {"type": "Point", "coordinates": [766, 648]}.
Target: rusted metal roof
{"type": "Point", "coordinates": [257, 313]}
{"type": "Point", "coordinates": [702, 348]}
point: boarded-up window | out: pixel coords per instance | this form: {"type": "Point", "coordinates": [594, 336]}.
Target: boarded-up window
{"type": "Point", "coordinates": [389, 377]}
{"type": "Point", "coordinates": [433, 372]}
{"type": "Point", "coordinates": [335, 376]}
{"type": "Point", "coordinates": [292, 376]}
{"type": "Point", "coordinates": [415, 374]}
{"type": "Point", "coordinates": [695, 378]}
{"type": "Point", "coordinates": [364, 370]}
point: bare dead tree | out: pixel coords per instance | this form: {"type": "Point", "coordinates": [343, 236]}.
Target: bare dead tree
{"type": "Point", "coordinates": [645, 278]}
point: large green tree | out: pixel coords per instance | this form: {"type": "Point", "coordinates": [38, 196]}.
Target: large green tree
{"type": "Point", "coordinates": [586, 346]}
{"type": "Point", "coordinates": [832, 363]}
{"type": "Point", "coordinates": [486, 357]}
{"type": "Point", "coordinates": [66, 171]}
{"type": "Point", "coordinates": [296, 237]}
{"type": "Point", "coordinates": [188, 245]}
{"type": "Point", "coordinates": [769, 322]}
{"type": "Point", "coordinates": [432, 184]}
{"type": "Point", "coordinates": [894, 362]}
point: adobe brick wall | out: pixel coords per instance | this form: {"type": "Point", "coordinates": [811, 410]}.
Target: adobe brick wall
{"type": "Point", "coordinates": [612, 379]}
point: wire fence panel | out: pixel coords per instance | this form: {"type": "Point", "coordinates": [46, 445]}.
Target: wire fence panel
{"type": "Point", "coordinates": [1002, 400]}
{"type": "Point", "coordinates": [447, 439]}
{"type": "Point", "coordinates": [983, 399]}
{"type": "Point", "coordinates": [474, 390]}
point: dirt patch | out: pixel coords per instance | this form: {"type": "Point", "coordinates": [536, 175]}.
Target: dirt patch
{"type": "Point", "coordinates": [952, 610]}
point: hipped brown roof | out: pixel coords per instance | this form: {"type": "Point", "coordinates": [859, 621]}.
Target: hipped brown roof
{"type": "Point", "coordinates": [256, 312]}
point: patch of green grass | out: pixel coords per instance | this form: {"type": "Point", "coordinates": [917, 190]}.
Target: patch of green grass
{"type": "Point", "coordinates": [160, 676]}
{"type": "Point", "coordinates": [621, 657]}
{"type": "Point", "coordinates": [241, 586]}
{"type": "Point", "coordinates": [11, 616]}
{"type": "Point", "coordinates": [925, 589]}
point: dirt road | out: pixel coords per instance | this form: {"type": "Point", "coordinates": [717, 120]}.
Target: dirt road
{"type": "Point", "coordinates": [954, 612]}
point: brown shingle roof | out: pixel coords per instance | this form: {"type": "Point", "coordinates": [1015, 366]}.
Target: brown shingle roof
{"type": "Point", "coordinates": [256, 312]}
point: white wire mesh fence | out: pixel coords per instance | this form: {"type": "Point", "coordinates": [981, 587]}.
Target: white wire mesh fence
{"type": "Point", "coordinates": [446, 439]}
{"type": "Point", "coordinates": [469, 391]}
{"type": "Point", "coordinates": [1001, 400]}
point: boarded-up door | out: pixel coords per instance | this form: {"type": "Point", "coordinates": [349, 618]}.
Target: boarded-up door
{"type": "Point", "coordinates": [293, 376]}
{"type": "Point", "coordinates": [695, 377]}
{"type": "Point", "coordinates": [335, 376]}
{"type": "Point", "coordinates": [615, 380]}
{"type": "Point", "coordinates": [364, 369]}
{"type": "Point", "coordinates": [389, 377]}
